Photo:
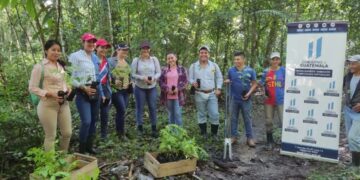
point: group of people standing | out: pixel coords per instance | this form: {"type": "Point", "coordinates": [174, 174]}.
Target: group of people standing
{"type": "Point", "coordinates": [99, 81]}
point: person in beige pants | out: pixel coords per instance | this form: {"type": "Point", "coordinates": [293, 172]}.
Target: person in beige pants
{"type": "Point", "coordinates": [273, 81]}
{"type": "Point", "coordinates": [52, 110]}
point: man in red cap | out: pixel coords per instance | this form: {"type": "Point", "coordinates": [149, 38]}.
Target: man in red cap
{"type": "Point", "coordinates": [85, 78]}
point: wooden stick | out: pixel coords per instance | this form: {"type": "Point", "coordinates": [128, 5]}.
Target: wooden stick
{"type": "Point", "coordinates": [130, 171]}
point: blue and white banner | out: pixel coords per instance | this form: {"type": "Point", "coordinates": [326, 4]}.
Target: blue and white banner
{"type": "Point", "coordinates": [313, 89]}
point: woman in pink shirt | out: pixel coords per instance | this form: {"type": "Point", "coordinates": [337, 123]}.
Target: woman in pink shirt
{"type": "Point", "coordinates": [173, 81]}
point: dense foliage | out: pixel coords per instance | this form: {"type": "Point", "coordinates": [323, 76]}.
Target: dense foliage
{"type": "Point", "coordinates": [254, 26]}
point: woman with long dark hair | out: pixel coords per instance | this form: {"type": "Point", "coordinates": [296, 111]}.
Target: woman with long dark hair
{"type": "Point", "coordinates": [173, 81]}
{"type": "Point", "coordinates": [48, 82]}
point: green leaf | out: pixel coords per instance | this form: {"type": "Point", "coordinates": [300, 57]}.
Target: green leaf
{"type": "Point", "coordinates": [4, 3]}
{"type": "Point", "coordinates": [30, 8]}
{"type": "Point", "coordinates": [49, 14]}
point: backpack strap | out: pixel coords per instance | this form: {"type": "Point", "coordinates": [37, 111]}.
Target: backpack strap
{"type": "Point", "coordinates": [42, 76]}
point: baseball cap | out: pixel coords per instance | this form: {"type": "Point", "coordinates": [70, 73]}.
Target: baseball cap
{"type": "Point", "coordinates": [354, 58]}
{"type": "Point", "coordinates": [204, 47]}
{"type": "Point", "coordinates": [144, 44]}
{"type": "Point", "coordinates": [121, 46]}
{"type": "Point", "coordinates": [102, 42]}
{"type": "Point", "coordinates": [88, 37]}
{"type": "Point", "coordinates": [275, 54]}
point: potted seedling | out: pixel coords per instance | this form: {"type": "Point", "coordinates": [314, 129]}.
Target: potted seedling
{"type": "Point", "coordinates": [178, 153]}
{"type": "Point", "coordinates": [58, 165]}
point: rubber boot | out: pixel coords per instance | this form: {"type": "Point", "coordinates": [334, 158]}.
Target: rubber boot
{"type": "Point", "coordinates": [122, 136]}
{"type": "Point", "coordinates": [355, 158]}
{"type": "Point", "coordinates": [154, 132]}
{"type": "Point", "coordinates": [214, 131]}
{"type": "Point", "coordinates": [203, 127]}
{"type": "Point", "coordinates": [270, 141]}
{"type": "Point", "coordinates": [90, 145]}
{"type": "Point", "coordinates": [82, 148]}
{"type": "Point", "coordinates": [140, 131]}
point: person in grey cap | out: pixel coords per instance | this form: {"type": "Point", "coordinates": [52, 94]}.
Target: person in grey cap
{"type": "Point", "coordinates": [352, 107]}
{"type": "Point", "coordinates": [206, 79]}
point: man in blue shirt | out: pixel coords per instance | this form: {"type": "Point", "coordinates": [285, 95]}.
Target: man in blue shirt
{"type": "Point", "coordinates": [242, 81]}
{"type": "Point", "coordinates": [205, 76]}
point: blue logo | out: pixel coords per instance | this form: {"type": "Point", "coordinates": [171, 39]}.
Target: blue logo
{"type": "Point", "coordinates": [329, 131]}
{"type": "Point", "coordinates": [330, 111]}
{"type": "Point", "coordinates": [291, 127]}
{"type": "Point", "coordinates": [314, 49]}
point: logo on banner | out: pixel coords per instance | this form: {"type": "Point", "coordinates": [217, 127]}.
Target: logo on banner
{"type": "Point", "coordinates": [292, 107]}
{"type": "Point", "coordinates": [311, 99]}
{"type": "Point", "coordinates": [291, 126]}
{"type": "Point", "coordinates": [314, 49]}
{"type": "Point", "coordinates": [314, 53]}
{"type": "Point", "coordinates": [309, 137]}
{"type": "Point", "coordinates": [330, 111]}
{"type": "Point", "coordinates": [331, 91]}
{"type": "Point", "coordinates": [293, 87]}
{"type": "Point", "coordinates": [310, 118]}
{"type": "Point", "coordinates": [329, 131]}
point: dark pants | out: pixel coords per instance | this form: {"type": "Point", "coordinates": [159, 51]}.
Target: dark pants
{"type": "Point", "coordinates": [89, 112]}
{"type": "Point", "coordinates": [104, 113]}
{"type": "Point", "coordinates": [120, 100]}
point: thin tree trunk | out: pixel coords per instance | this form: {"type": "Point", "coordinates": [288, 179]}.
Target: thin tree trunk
{"type": "Point", "coordinates": [38, 26]}
{"type": "Point", "coordinates": [198, 31]}
{"type": "Point", "coordinates": [26, 35]}
{"type": "Point", "coordinates": [271, 38]}
{"type": "Point", "coordinates": [110, 22]}
{"type": "Point", "coordinates": [128, 37]}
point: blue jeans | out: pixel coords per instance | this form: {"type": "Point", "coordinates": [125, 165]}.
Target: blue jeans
{"type": "Point", "coordinates": [348, 117]}
{"type": "Point", "coordinates": [104, 114]}
{"type": "Point", "coordinates": [174, 111]}
{"type": "Point", "coordinates": [89, 112]}
{"type": "Point", "coordinates": [207, 103]}
{"type": "Point", "coordinates": [352, 124]}
{"type": "Point", "coordinates": [150, 96]}
{"type": "Point", "coordinates": [245, 108]}
{"type": "Point", "coordinates": [120, 100]}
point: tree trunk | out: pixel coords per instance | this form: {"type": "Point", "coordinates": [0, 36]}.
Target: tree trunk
{"type": "Point", "coordinates": [110, 22]}
{"type": "Point", "coordinates": [26, 35]}
{"type": "Point", "coordinates": [271, 38]}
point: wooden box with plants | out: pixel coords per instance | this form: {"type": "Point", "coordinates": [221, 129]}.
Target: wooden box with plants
{"type": "Point", "coordinates": [178, 153]}
{"type": "Point", "coordinates": [58, 165]}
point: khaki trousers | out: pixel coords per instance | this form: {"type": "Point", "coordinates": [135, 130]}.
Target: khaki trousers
{"type": "Point", "coordinates": [51, 115]}
{"type": "Point", "coordinates": [269, 115]}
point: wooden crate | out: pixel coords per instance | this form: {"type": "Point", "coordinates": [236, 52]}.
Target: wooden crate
{"type": "Point", "coordinates": [86, 167]}
{"type": "Point", "coordinates": [159, 170]}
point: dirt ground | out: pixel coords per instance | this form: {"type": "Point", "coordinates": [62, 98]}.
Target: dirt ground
{"type": "Point", "coordinates": [257, 163]}
{"type": "Point", "coordinates": [251, 163]}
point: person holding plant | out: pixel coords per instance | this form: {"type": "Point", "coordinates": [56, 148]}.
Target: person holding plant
{"type": "Point", "coordinates": [273, 82]}
{"type": "Point", "coordinates": [206, 80]}
{"type": "Point", "coordinates": [242, 81]}
{"type": "Point", "coordinates": [121, 83]}
{"type": "Point", "coordinates": [102, 46]}
{"type": "Point", "coordinates": [146, 71]}
{"type": "Point", "coordinates": [48, 82]}
{"type": "Point", "coordinates": [173, 81]}
{"type": "Point", "coordinates": [85, 77]}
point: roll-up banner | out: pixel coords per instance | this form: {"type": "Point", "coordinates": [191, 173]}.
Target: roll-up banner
{"type": "Point", "coordinates": [313, 89]}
